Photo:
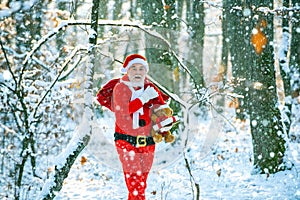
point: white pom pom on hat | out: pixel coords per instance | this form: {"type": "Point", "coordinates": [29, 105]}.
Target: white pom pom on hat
{"type": "Point", "coordinates": [134, 59]}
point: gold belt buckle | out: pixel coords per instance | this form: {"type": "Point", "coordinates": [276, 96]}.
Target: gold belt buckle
{"type": "Point", "coordinates": [141, 141]}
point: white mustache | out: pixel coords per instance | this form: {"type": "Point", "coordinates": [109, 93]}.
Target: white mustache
{"type": "Point", "coordinates": [138, 76]}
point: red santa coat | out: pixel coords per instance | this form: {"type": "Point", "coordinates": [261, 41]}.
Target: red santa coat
{"type": "Point", "coordinates": [124, 108]}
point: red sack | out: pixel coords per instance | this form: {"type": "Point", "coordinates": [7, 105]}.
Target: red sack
{"type": "Point", "coordinates": [105, 94]}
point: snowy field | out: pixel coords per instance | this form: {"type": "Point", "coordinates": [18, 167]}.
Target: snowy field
{"type": "Point", "coordinates": [224, 172]}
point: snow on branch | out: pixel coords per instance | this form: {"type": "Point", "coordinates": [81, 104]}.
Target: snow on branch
{"type": "Point", "coordinates": [64, 66]}
{"type": "Point", "coordinates": [124, 23]}
{"type": "Point", "coordinates": [64, 163]}
{"type": "Point", "coordinates": [279, 11]}
{"type": "Point", "coordinates": [266, 10]}
{"type": "Point", "coordinates": [44, 40]}
{"type": "Point", "coordinates": [142, 27]}
{"type": "Point", "coordinates": [8, 65]}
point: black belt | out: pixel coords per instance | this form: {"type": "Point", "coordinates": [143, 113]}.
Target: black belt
{"type": "Point", "coordinates": [138, 141]}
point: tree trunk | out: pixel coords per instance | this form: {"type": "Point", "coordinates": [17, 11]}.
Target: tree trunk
{"type": "Point", "coordinates": [225, 38]}
{"type": "Point", "coordinates": [157, 53]}
{"type": "Point", "coordinates": [265, 119]}
{"type": "Point", "coordinates": [152, 14]}
{"type": "Point", "coordinates": [237, 38]}
{"type": "Point", "coordinates": [28, 22]}
{"type": "Point", "coordinates": [195, 18]}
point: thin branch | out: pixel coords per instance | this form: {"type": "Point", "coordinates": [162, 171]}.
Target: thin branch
{"type": "Point", "coordinates": [15, 116]}
{"type": "Point", "coordinates": [170, 94]}
{"type": "Point", "coordinates": [213, 4]}
{"type": "Point", "coordinates": [71, 70]}
{"type": "Point", "coordinates": [8, 64]}
{"type": "Point", "coordinates": [43, 40]}
{"type": "Point", "coordinates": [42, 64]}
{"type": "Point", "coordinates": [226, 95]}
{"type": "Point", "coordinates": [223, 116]}
{"type": "Point", "coordinates": [12, 51]}
{"type": "Point", "coordinates": [64, 66]}
{"type": "Point", "coordinates": [9, 88]}
{"type": "Point", "coordinates": [196, 193]}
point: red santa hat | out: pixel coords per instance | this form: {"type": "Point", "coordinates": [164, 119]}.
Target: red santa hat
{"type": "Point", "coordinates": [134, 59]}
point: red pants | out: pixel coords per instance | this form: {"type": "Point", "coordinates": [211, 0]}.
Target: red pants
{"type": "Point", "coordinates": [136, 164]}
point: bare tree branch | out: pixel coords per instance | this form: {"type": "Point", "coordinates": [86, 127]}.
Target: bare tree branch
{"type": "Point", "coordinates": [144, 28]}
{"type": "Point", "coordinates": [64, 66]}
{"type": "Point", "coordinates": [8, 64]}
{"type": "Point", "coordinates": [196, 191]}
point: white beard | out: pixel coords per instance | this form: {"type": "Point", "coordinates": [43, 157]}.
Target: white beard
{"type": "Point", "coordinates": [135, 83]}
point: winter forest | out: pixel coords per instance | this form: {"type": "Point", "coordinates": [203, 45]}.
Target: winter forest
{"type": "Point", "coordinates": [231, 69]}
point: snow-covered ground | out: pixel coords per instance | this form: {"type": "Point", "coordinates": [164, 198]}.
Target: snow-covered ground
{"type": "Point", "coordinates": [225, 172]}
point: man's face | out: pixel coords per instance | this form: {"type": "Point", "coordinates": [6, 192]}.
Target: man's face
{"type": "Point", "coordinates": [136, 73]}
